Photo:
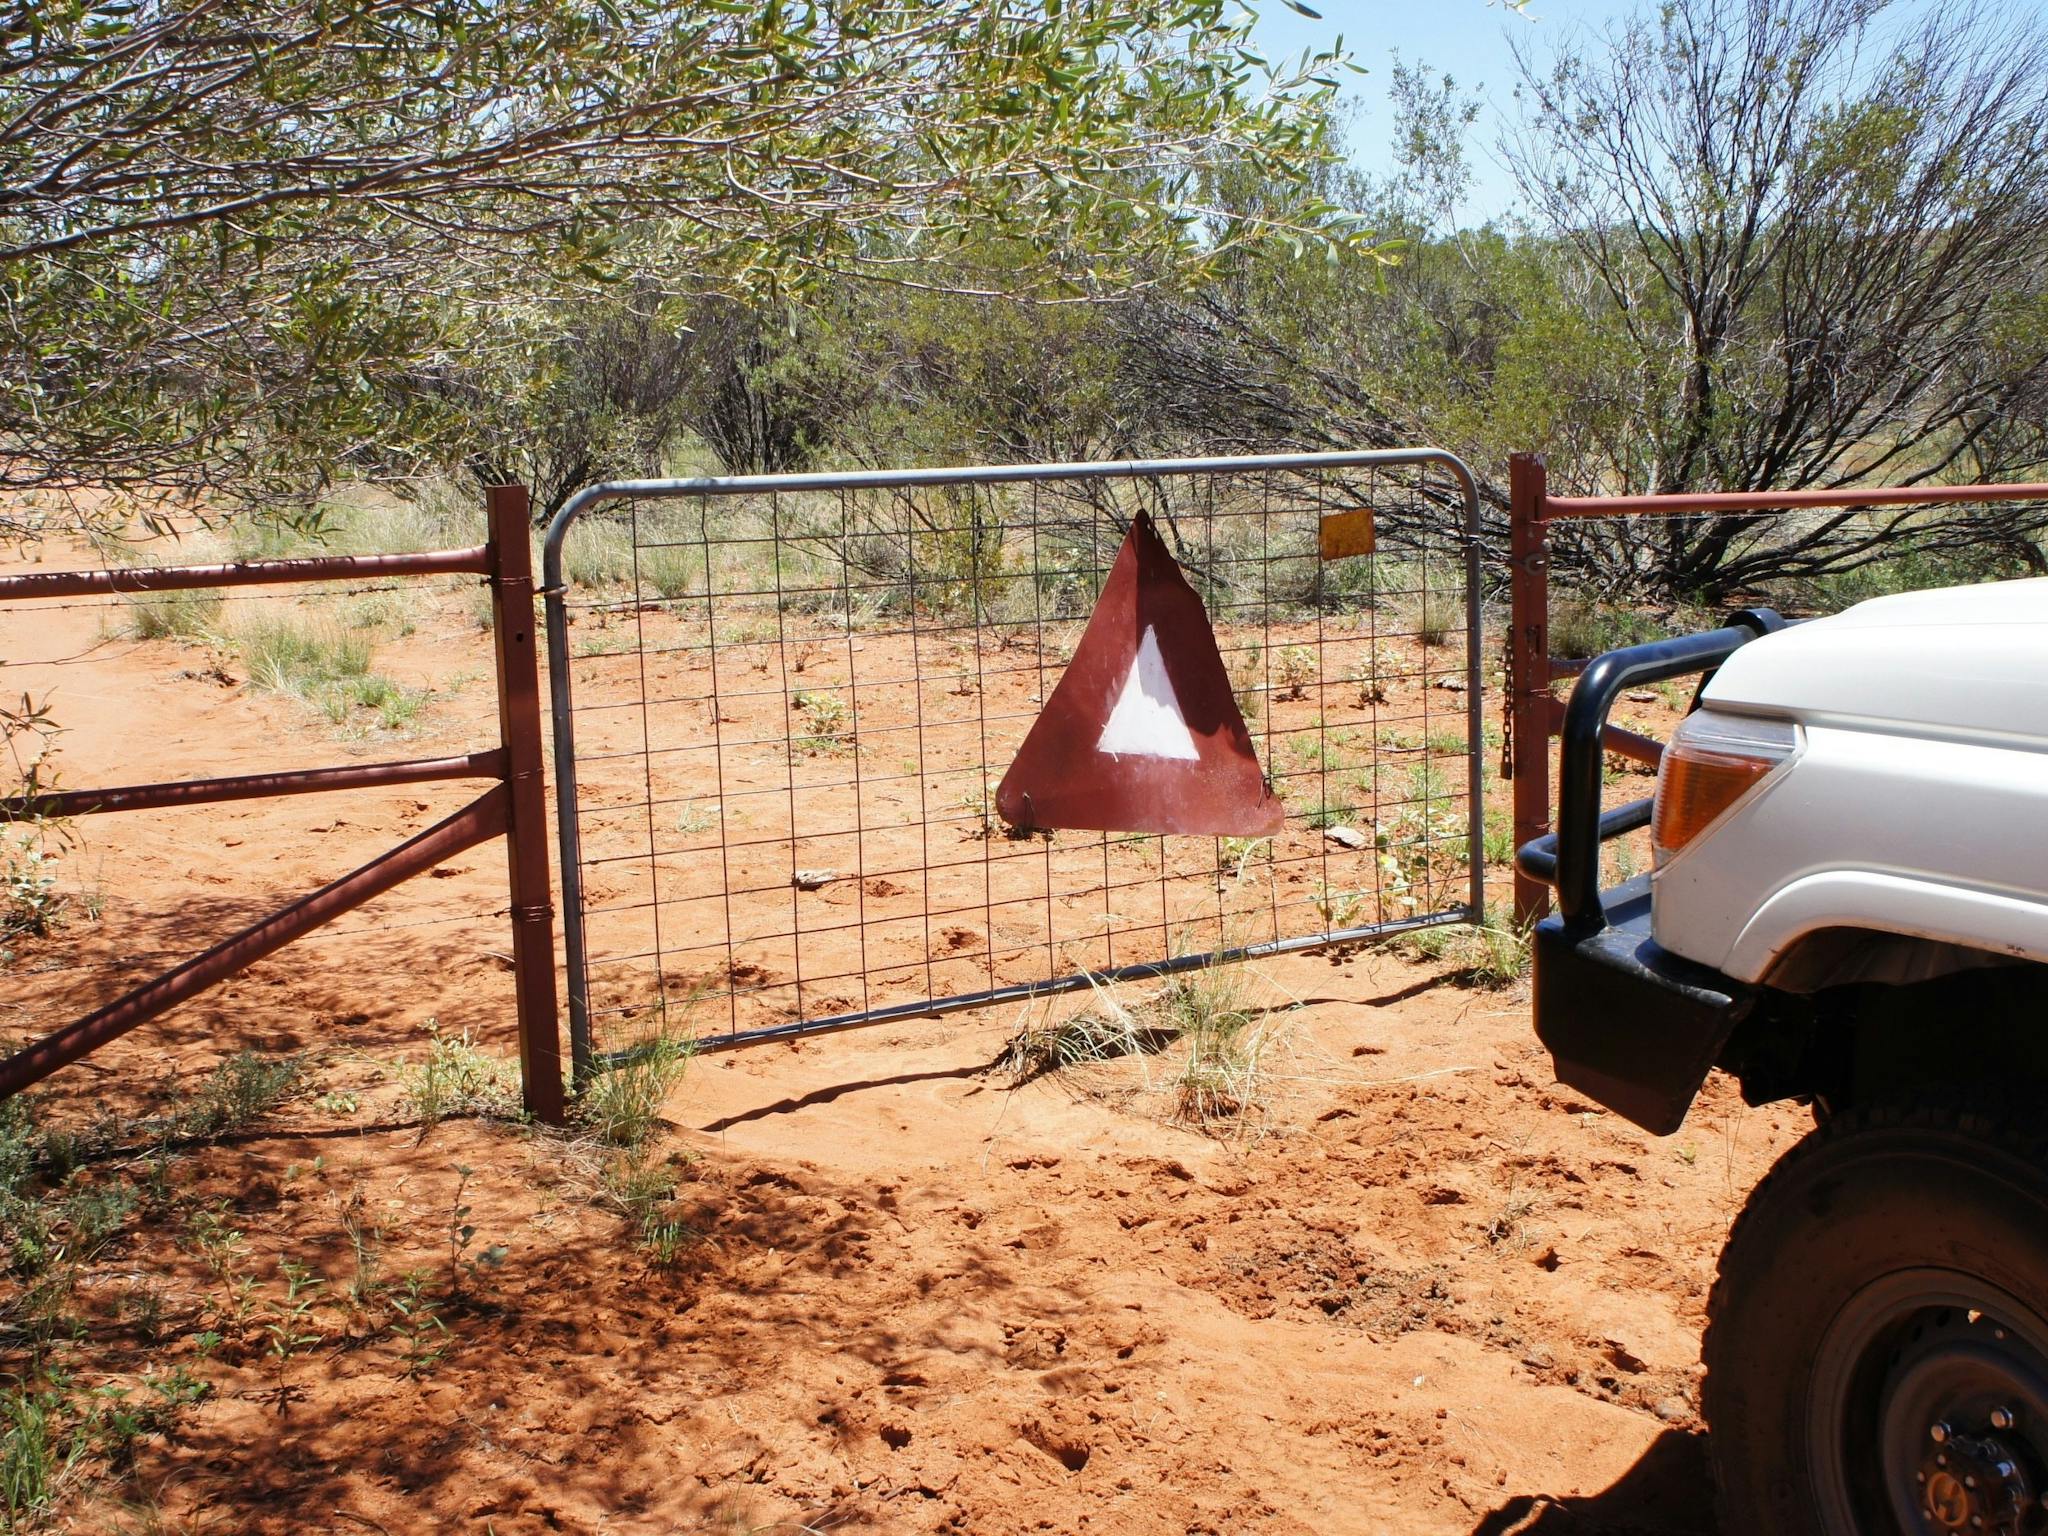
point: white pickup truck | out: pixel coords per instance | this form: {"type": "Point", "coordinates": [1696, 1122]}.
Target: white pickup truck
{"type": "Point", "coordinates": [1848, 906]}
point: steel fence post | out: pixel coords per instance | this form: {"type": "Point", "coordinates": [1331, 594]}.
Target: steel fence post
{"type": "Point", "coordinates": [1529, 699]}
{"type": "Point", "coordinates": [526, 846]}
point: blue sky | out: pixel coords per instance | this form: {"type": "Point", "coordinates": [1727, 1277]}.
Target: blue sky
{"type": "Point", "coordinates": [1469, 40]}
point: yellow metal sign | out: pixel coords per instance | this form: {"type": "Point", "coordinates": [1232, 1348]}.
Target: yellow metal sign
{"type": "Point", "coordinates": [1347, 533]}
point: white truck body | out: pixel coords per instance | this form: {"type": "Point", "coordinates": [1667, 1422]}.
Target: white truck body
{"type": "Point", "coordinates": [1917, 803]}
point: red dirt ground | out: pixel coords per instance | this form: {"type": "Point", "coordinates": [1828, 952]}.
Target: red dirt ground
{"type": "Point", "coordinates": [1426, 1292]}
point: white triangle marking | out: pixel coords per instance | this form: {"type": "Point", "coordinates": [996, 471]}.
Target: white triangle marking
{"type": "Point", "coordinates": [1147, 721]}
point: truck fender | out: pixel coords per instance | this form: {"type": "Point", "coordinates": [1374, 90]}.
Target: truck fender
{"type": "Point", "coordinates": [1992, 921]}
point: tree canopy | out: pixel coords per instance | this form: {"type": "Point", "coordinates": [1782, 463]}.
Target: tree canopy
{"type": "Point", "coordinates": [227, 227]}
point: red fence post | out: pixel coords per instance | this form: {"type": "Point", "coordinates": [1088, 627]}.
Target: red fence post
{"type": "Point", "coordinates": [1529, 699]}
{"type": "Point", "coordinates": [526, 845]}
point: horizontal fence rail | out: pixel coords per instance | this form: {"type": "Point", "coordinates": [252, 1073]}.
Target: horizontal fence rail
{"type": "Point", "coordinates": [1534, 714]}
{"type": "Point", "coordinates": [255, 786]}
{"type": "Point", "coordinates": [513, 808]}
{"type": "Point", "coordinates": [243, 573]}
{"type": "Point", "coordinates": [782, 704]}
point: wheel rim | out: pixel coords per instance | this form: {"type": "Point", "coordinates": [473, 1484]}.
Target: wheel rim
{"type": "Point", "coordinates": [1928, 1414]}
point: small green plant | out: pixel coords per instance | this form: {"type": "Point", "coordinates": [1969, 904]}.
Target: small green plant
{"type": "Point", "coordinates": [394, 706]}
{"type": "Point", "coordinates": [1369, 679]}
{"type": "Point", "coordinates": [92, 1213]}
{"type": "Point", "coordinates": [218, 1244]}
{"type": "Point", "coordinates": [1224, 1040]}
{"type": "Point", "coordinates": [1239, 853]}
{"type": "Point", "coordinates": [1247, 680]}
{"type": "Point", "coordinates": [389, 611]}
{"type": "Point", "coordinates": [1327, 800]}
{"type": "Point", "coordinates": [606, 642]}
{"type": "Point", "coordinates": [1422, 844]}
{"type": "Point", "coordinates": [458, 1079]}
{"type": "Point", "coordinates": [1582, 627]}
{"type": "Point", "coordinates": [1492, 953]}
{"type": "Point", "coordinates": [1432, 608]}
{"type": "Point", "coordinates": [636, 1185]}
{"type": "Point", "coordinates": [417, 1324]}
{"type": "Point", "coordinates": [1297, 669]}
{"type": "Point", "coordinates": [1201, 1019]}
{"type": "Point", "coordinates": [288, 1322]}
{"type": "Point", "coordinates": [669, 571]}
{"type": "Point", "coordinates": [328, 668]}
{"type": "Point", "coordinates": [35, 1452]}
{"type": "Point", "coordinates": [697, 816]}
{"type": "Point", "coordinates": [980, 806]}
{"type": "Point", "coordinates": [664, 1236]}
{"type": "Point", "coordinates": [234, 1096]}
{"type": "Point", "coordinates": [1317, 752]}
{"type": "Point", "coordinates": [366, 1251]}
{"type": "Point", "coordinates": [29, 899]}
{"type": "Point", "coordinates": [285, 656]}
{"type": "Point", "coordinates": [462, 1236]}
{"type": "Point", "coordinates": [599, 553]}
{"type": "Point", "coordinates": [1337, 908]}
{"type": "Point", "coordinates": [1500, 837]}
{"type": "Point", "coordinates": [50, 1430]}
{"type": "Point", "coordinates": [825, 717]}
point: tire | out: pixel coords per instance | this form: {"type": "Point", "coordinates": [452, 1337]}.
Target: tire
{"type": "Point", "coordinates": [1877, 1339]}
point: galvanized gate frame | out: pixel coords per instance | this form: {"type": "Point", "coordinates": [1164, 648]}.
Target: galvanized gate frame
{"type": "Point", "coordinates": [569, 841]}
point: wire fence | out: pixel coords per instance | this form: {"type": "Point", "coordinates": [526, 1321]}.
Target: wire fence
{"type": "Point", "coordinates": [783, 706]}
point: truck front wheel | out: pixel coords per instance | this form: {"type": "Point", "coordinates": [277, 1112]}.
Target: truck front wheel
{"type": "Point", "coordinates": [1877, 1341]}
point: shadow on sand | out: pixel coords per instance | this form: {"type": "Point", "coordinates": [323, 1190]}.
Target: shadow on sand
{"type": "Point", "coordinates": [1668, 1492]}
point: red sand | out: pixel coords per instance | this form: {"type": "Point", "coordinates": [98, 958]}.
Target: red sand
{"type": "Point", "coordinates": [1427, 1292]}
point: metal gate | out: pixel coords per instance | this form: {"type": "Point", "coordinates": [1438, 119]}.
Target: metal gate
{"type": "Point", "coordinates": [782, 704]}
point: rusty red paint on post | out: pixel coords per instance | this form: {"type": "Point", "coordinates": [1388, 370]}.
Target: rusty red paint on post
{"type": "Point", "coordinates": [255, 786]}
{"type": "Point", "coordinates": [526, 833]}
{"type": "Point", "coordinates": [1686, 503]}
{"type": "Point", "coordinates": [1142, 734]}
{"type": "Point", "coordinates": [478, 822]}
{"type": "Point", "coordinates": [1531, 709]}
{"type": "Point", "coordinates": [243, 573]}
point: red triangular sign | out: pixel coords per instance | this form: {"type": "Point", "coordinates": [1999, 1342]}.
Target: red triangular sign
{"type": "Point", "coordinates": [1142, 733]}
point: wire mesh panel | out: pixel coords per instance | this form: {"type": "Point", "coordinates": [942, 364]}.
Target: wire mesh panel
{"type": "Point", "coordinates": [783, 705]}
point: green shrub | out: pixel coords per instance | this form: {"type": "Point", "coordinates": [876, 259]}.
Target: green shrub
{"type": "Point", "coordinates": [29, 898]}
{"type": "Point", "coordinates": [1297, 669]}
{"type": "Point", "coordinates": [1490, 953]}
{"type": "Point", "coordinates": [190, 616]}
{"type": "Point", "coordinates": [1582, 628]}
{"type": "Point", "coordinates": [329, 668]}
{"type": "Point", "coordinates": [621, 1105]}
{"type": "Point", "coordinates": [285, 656]}
{"type": "Point", "coordinates": [824, 715]}
{"type": "Point", "coordinates": [240, 1091]}
{"type": "Point", "coordinates": [458, 1079]}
